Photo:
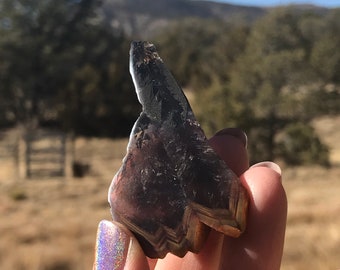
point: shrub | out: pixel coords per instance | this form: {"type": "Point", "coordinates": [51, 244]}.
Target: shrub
{"type": "Point", "coordinates": [299, 145]}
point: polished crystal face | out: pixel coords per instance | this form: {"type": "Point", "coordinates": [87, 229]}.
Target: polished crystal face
{"type": "Point", "coordinates": [172, 188]}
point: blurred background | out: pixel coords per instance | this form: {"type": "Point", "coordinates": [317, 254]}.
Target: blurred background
{"type": "Point", "coordinates": [67, 105]}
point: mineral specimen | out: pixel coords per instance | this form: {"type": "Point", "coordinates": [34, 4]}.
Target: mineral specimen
{"type": "Point", "coordinates": [172, 187]}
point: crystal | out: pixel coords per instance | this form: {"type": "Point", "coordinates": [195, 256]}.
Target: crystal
{"type": "Point", "coordinates": [172, 188]}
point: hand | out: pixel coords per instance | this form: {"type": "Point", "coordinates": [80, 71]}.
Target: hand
{"type": "Point", "coordinates": [259, 247]}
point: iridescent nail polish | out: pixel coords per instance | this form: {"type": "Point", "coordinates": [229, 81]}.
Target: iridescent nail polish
{"type": "Point", "coordinates": [111, 247]}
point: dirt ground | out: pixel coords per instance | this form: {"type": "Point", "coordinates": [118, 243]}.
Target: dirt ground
{"type": "Point", "coordinates": [50, 224]}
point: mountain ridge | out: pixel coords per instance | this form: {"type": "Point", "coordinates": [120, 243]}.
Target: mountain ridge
{"type": "Point", "coordinates": [144, 18]}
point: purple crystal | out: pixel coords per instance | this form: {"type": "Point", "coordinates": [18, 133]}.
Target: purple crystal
{"type": "Point", "coordinates": [172, 187]}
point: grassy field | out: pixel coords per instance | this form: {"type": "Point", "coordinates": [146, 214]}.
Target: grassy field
{"type": "Point", "coordinates": [51, 224]}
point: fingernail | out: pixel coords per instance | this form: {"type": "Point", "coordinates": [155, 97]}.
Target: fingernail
{"type": "Point", "coordinates": [270, 165]}
{"type": "Point", "coordinates": [112, 246]}
{"type": "Point", "coordinates": [235, 132]}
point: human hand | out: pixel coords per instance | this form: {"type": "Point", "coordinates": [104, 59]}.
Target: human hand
{"type": "Point", "coordinates": [259, 247]}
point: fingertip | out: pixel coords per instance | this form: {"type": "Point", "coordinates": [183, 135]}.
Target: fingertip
{"type": "Point", "coordinates": [235, 132]}
{"type": "Point", "coordinates": [112, 245]}
{"type": "Point", "coordinates": [268, 164]}
{"type": "Point", "coordinates": [264, 183]}
{"type": "Point", "coordinates": [117, 249]}
{"type": "Point", "coordinates": [231, 148]}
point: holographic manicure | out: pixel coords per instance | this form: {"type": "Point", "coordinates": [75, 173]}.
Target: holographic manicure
{"type": "Point", "coordinates": [111, 247]}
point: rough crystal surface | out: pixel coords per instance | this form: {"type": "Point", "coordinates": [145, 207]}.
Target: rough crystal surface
{"type": "Point", "coordinates": [172, 187]}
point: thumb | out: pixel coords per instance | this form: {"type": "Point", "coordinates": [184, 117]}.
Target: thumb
{"type": "Point", "coordinates": [117, 249]}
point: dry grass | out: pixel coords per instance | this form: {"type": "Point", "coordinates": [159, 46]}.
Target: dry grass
{"type": "Point", "coordinates": [313, 225]}
{"type": "Point", "coordinates": [313, 228]}
{"type": "Point", "coordinates": [51, 225]}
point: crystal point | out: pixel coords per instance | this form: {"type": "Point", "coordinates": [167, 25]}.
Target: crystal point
{"type": "Point", "coordinates": [172, 187]}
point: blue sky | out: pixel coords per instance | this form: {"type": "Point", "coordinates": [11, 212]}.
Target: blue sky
{"type": "Point", "coordinates": [323, 3]}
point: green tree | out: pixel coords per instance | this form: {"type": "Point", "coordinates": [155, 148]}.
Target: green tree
{"type": "Point", "coordinates": [62, 64]}
{"type": "Point", "coordinates": [199, 51]}
{"type": "Point", "coordinates": [300, 145]}
{"type": "Point", "coordinates": [34, 35]}
{"type": "Point", "coordinates": [321, 34]}
{"type": "Point", "coordinates": [272, 80]}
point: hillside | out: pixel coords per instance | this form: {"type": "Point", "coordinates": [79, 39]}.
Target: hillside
{"type": "Point", "coordinates": [143, 18]}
